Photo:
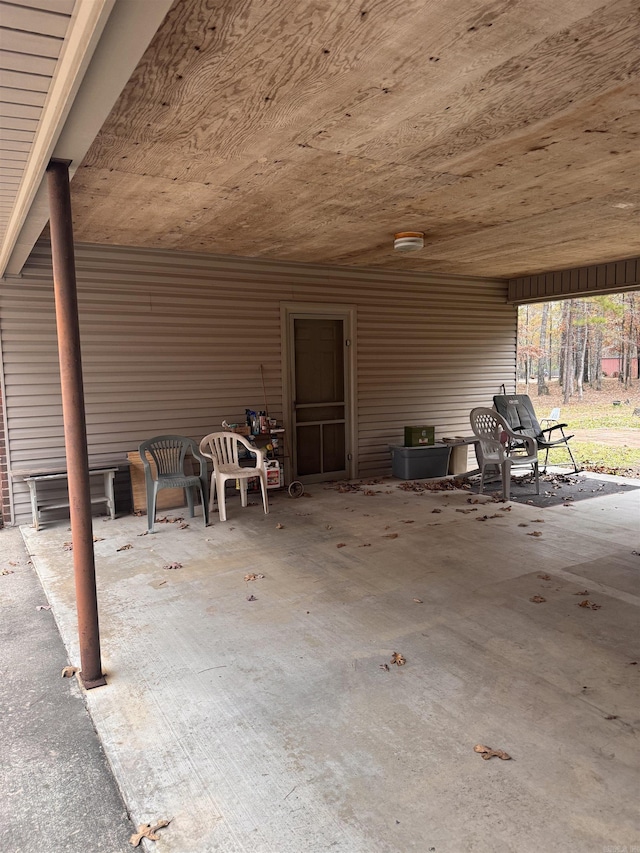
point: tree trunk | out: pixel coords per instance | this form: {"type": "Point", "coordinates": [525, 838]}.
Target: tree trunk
{"type": "Point", "coordinates": [567, 355]}
{"type": "Point", "coordinates": [543, 388]}
{"type": "Point", "coordinates": [581, 347]}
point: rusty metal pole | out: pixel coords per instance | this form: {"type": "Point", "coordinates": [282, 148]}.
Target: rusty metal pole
{"type": "Point", "coordinates": [73, 414]}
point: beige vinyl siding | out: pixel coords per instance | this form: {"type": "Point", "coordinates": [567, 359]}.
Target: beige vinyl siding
{"type": "Point", "coordinates": [173, 342]}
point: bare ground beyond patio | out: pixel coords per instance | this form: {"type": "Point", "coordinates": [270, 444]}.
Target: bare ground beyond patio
{"type": "Point", "coordinates": [266, 715]}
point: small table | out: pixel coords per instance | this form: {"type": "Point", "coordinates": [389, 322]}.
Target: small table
{"type": "Point", "coordinates": [38, 504]}
{"type": "Point", "coordinates": [459, 445]}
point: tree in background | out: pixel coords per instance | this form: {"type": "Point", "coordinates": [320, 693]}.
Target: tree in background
{"type": "Point", "coordinates": [572, 337]}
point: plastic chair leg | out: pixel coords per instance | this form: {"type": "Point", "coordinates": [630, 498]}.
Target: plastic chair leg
{"type": "Point", "coordinates": [212, 492]}
{"type": "Point", "coordinates": [506, 481]}
{"type": "Point", "coordinates": [537, 473]}
{"type": "Point", "coordinates": [151, 506]}
{"type": "Point", "coordinates": [243, 492]}
{"type": "Point", "coordinates": [222, 508]}
{"type": "Point", "coordinates": [481, 481]}
{"type": "Point", "coordinates": [263, 487]}
{"type": "Point", "coordinates": [189, 491]}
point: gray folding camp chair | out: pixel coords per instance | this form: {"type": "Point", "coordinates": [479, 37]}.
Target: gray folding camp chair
{"type": "Point", "coordinates": [518, 411]}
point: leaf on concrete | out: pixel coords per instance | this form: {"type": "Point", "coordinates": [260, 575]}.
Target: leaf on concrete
{"type": "Point", "coordinates": [341, 545]}
{"type": "Point", "coordinates": [418, 601]}
{"type": "Point", "coordinates": [398, 659]}
{"type": "Point", "coordinates": [589, 604]}
{"type": "Point", "coordinates": [535, 533]}
{"type": "Point", "coordinates": [582, 592]}
{"type": "Point", "coordinates": [611, 717]}
{"type": "Point", "coordinates": [505, 509]}
{"type": "Point", "coordinates": [495, 515]}
{"type": "Point", "coordinates": [486, 752]}
{"type": "Point", "coordinates": [328, 527]}
{"type": "Point", "coordinates": [126, 547]}
{"type": "Point", "coordinates": [69, 671]}
{"type": "Point", "coordinates": [252, 576]}
{"type": "Point", "coordinates": [537, 599]}
{"type": "Point", "coordinates": [523, 524]}
{"type": "Point", "coordinates": [279, 526]}
{"type": "Point", "coordinates": [365, 545]}
{"type": "Point", "coordinates": [173, 566]}
{"type": "Point", "coordinates": [43, 607]}
{"type": "Point", "coordinates": [68, 546]}
{"type": "Point", "coordinates": [545, 577]}
{"type": "Point", "coordinates": [251, 598]}
{"type": "Point", "coordinates": [146, 533]}
{"type": "Point", "coordinates": [390, 536]}
{"type": "Point", "coordinates": [538, 520]}
{"type": "Point", "coordinates": [370, 492]}
{"type": "Point", "coordinates": [409, 521]}
{"type": "Point", "coordinates": [385, 666]}
{"type": "Point", "coordinates": [473, 509]}
{"type": "Point", "coordinates": [6, 572]}
{"type": "Point", "coordinates": [98, 538]}
{"type": "Point", "coordinates": [436, 510]}
{"type": "Point", "coordinates": [148, 830]}
{"type": "Point", "coordinates": [183, 525]}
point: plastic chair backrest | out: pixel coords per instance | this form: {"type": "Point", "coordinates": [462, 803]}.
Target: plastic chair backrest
{"type": "Point", "coordinates": [168, 452]}
{"type": "Point", "coordinates": [555, 415]}
{"type": "Point", "coordinates": [488, 426]}
{"type": "Point", "coordinates": [224, 447]}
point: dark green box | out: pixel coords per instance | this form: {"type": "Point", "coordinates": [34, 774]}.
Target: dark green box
{"type": "Point", "coordinates": [419, 436]}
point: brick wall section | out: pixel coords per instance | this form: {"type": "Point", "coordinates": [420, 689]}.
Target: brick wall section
{"type": "Point", "coordinates": [5, 515]}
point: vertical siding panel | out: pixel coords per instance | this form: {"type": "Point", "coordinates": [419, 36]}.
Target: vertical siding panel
{"type": "Point", "coordinates": [173, 342]}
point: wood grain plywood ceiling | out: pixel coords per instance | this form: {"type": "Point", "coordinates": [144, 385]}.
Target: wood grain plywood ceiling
{"type": "Point", "coordinates": [506, 130]}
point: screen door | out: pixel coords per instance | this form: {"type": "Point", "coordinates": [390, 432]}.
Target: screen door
{"type": "Point", "coordinates": [319, 397]}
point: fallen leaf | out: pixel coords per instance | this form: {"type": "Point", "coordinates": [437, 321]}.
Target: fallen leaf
{"type": "Point", "coordinates": [545, 577]}
{"type": "Point", "coordinates": [436, 510]}
{"type": "Point", "coordinates": [328, 527]}
{"type": "Point", "coordinates": [68, 546]}
{"type": "Point", "coordinates": [390, 536]}
{"type": "Point", "coordinates": [173, 566]}
{"type": "Point", "coordinates": [495, 515]}
{"type": "Point", "coordinates": [418, 601]}
{"type": "Point", "coordinates": [370, 492]}
{"type": "Point", "coordinates": [385, 666]}
{"type": "Point", "coordinates": [146, 533]}
{"type": "Point", "coordinates": [535, 533]}
{"type": "Point", "coordinates": [398, 659]}
{"type": "Point", "coordinates": [12, 563]}
{"type": "Point", "coordinates": [98, 538]}
{"type": "Point", "coordinates": [183, 525]}
{"type": "Point", "coordinates": [251, 598]}
{"type": "Point", "coordinates": [633, 663]}
{"type": "Point", "coordinates": [69, 671]}
{"type": "Point", "coordinates": [590, 604]}
{"type": "Point", "coordinates": [505, 509]}
{"type": "Point", "coordinates": [125, 548]}
{"type": "Point", "coordinates": [523, 524]}
{"type": "Point", "coordinates": [611, 717]}
{"type": "Point", "coordinates": [252, 576]}
{"type": "Point", "coordinates": [537, 599]}
{"type": "Point", "coordinates": [6, 572]}
{"type": "Point", "coordinates": [43, 607]}
{"type": "Point", "coordinates": [582, 592]}
{"type": "Point", "coordinates": [486, 752]}
{"type": "Point", "coordinates": [409, 521]}
{"type": "Point", "coordinates": [279, 526]}
{"type": "Point", "coordinates": [147, 830]}
{"type": "Point", "coordinates": [365, 545]}
{"type": "Point", "coordinates": [473, 509]}
{"type": "Point", "coordinates": [341, 545]}
{"type": "Point", "coordinates": [538, 520]}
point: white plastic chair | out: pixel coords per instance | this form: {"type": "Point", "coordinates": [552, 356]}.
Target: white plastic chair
{"type": "Point", "coordinates": [553, 418]}
{"type": "Point", "coordinates": [499, 445]}
{"type": "Point", "coordinates": [222, 449]}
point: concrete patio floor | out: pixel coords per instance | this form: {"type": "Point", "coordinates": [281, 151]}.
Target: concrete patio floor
{"type": "Point", "coordinates": [271, 724]}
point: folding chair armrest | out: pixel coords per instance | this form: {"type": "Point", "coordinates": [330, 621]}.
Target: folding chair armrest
{"type": "Point", "coordinates": [550, 429]}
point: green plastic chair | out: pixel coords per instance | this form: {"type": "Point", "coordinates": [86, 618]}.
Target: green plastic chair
{"type": "Point", "coordinates": [169, 452]}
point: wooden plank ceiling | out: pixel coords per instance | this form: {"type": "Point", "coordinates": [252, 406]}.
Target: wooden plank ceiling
{"type": "Point", "coordinates": [506, 130]}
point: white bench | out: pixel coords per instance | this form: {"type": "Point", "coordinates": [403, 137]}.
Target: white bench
{"type": "Point", "coordinates": [40, 503]}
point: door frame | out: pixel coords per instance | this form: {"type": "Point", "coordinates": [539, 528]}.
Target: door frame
{"type": "Point", "coordinates": [335, 311]}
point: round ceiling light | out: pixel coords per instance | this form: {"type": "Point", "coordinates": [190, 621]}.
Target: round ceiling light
{"type": "Point", "coordinates": [408, 241]}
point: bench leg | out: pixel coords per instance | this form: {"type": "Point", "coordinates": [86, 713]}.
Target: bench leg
{"type": "Point", "coordinates": [109, 493]}
{"type": "Point", "coordinates": [34, 504]}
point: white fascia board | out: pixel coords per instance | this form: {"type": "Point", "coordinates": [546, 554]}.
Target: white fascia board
{"type": "Point", "coordinates": [120, 38]}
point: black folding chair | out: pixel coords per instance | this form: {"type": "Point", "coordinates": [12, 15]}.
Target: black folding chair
{"type": "Point", "coordinates": [518, 411]}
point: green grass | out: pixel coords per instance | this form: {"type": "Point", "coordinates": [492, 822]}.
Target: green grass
{"type": "Point", "coordinates": [588, 416]}
{"type": "Point", "coordinates": [592, 456]}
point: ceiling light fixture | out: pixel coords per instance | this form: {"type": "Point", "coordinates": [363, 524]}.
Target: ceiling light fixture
{"type": "Point", "coordinates": [408, 241]}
